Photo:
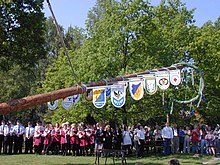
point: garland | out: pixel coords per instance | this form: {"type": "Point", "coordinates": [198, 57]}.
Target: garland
{"type": "Point", "coordinates": [201, 86]}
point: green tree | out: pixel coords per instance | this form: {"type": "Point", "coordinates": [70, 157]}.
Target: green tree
{"type": "Point", "coordinates": [22, 47]}
{"type": "Point", "coordinates": [124, 37]}
{"type": "Point", "coordinates": [21, 33]}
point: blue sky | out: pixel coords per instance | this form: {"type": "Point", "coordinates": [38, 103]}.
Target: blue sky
{"type": "Point", "coordinates": [74, 12]}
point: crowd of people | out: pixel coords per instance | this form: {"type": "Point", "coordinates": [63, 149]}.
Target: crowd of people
{"type": "Point", "coordinates": [85, 139]}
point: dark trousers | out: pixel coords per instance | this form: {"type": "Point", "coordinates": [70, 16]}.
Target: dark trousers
{"type": "Point", "coordinates": [29, 145]}
{"type": "Point", "coordinates": [141, 147]}
{"type": "Point", "coordinates": [127, 149]}
{"type": "Point", "coordinates": [8, 140]}
{"type": "Point", "coordinates": [18, 141]}
{"type": "Point", "coordinates": [64, 148]}
{"type": "Point", "coordinates": [75, 149]}
{"type": "Point", "coordinates": [166, 146]}
{"type": "Point", "coordinates": [1, 143]}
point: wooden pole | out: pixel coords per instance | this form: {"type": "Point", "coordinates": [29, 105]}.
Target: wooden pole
{"type": "Point", "coordinates": [38, 99]}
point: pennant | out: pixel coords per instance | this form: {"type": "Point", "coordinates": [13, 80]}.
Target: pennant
{"type": "Point", "coordinates": [88, 95]}
{"type": "Point", "coordinates": [108, 91]}
{"type": "Point", "coordinates": [150, 85]}
{"type": "Point", "coordinates": [118, 94]}
{"type": "Point", "coordinates": [136, 89]}
{"type": "Point", "coordinates": [67, 102]}
{"type": "Point", "coordinates": [99, 97]}
{"type": "Point", "coordinates": [163, 80]}
{"type": "Point", "coordinates": [76, 98]}
{"type": "Point", "coordinates": [175, 77]}
{"type": "Point", "coordinates": [52, 105]}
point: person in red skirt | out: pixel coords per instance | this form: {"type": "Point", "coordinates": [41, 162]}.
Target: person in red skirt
{"type": "Point", "coordinates": [47, 137]}
{"type": "Point", "coordinates": [64, 132]}
{"type": "Point", "coordinates": [37, 138]}
{"type": "Point", "coordinates": [82, 140]}
{"type": "Point", "coordinates": [74, 140]}
{"type": "Point", "coordinates": [56, 139]}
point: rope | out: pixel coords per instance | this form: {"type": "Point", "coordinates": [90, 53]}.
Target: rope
{"type": "Point", "coordinates": [63, 44]}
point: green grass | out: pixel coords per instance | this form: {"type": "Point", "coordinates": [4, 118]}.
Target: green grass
{"type": "Point", "coordinates": [69, 160]}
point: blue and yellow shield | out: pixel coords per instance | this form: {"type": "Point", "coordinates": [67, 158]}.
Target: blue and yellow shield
{"type": "Point", "coordinates": [99, 97]}
{"type": "Point", "coordinates": [136, 89]}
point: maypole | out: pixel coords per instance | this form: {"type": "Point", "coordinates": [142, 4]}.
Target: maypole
{"type": "Point", "coordinates": [39, 99]}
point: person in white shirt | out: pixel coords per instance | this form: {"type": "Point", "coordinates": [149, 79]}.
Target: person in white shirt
{"type": "Point", "coordinates": [8, 138]}
{"type": "Point", "coordinates": [19, 131]}
{"type": "Point", "coordinates": [2, 128]}
{"type": "Point", "coordinates": [141, 140]}
{"type": "Point", "coordinates": [29, 134]}
{"type": "Point", "coordinates": [127, 142]}
{"type": "Point", "coordinates": [175, 140]}
{"type": "Point", "coordinates": [167, 135]}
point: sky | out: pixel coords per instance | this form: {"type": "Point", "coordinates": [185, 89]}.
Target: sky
{"type": "Point", "coordinates": [74, 12]}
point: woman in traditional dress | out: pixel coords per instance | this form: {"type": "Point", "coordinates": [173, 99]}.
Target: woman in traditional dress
{"type": "Point", "coordinates": [64, 132]}
{"type": "Point", "coordinates": [74, 140]}
{"type": "Point", "coordinates": [47, 137]}
{"type": "Point", "coordinates": [82, 140]}
{"type": "Point", "coordinates": [37, 138]}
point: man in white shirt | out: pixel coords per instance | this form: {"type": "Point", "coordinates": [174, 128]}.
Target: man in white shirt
{"type": "Point", "coordinates": [18, 131]}
{"type": "Point", "coordinates": [8, 138]}
{"type": "Point", "coordinates": [167, 135]}
{"type": "Point", "coordinates": [29, 134]}
{"type": "Point", "coordinates": [141, 140]}
{"type": "Point", "coordinates": [3, 127]}
{"type": "Point", "coordinates": [175, 140]}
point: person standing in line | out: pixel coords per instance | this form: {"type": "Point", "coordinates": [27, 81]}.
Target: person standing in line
{"type": "Point", "coordinates": [175, 140]}
{"type": "Point", "coordinates": [3, 127]}
{"type": "Point", "coordinates": [141, 140]}
{"type": "Point", "coordinates": [127, 142]}
{"type": "Point", "coordinates": [210, 142]}
{"type": "Point", "coordinates": [186, 145]}
{"type": "Point", "coordinates": [74, 140]}
{"type": "Point", "coordinates": [64, 132]}
{"type": "Point", "coordinates": [117, 140]}
{"type": "Point", "coordinates": [203, 141]}
{"type": "Point", "coordinates": [167, 135]}
{"type": "Point", "coordinates": [56, 138]}
{"type": "Point", "coordinates": [108, 140]}
{"type": "Point", "coordinates": [99, 136]}
{"type": "Point", "coordinates": [37, 138]}
{"type": "Point", "coordinates": [46, 139]}
{"type": "Point", "coordinates": [195, 134]}
{"type": "Point", "coordinates": [181, 139]}
{"type": "Point", "coordinates": [29, 135]}
{"type": "Point", "coordinates": [82, 139]}
{"type": "Point", "coordinates": [19, 131]}
{"type": "Point", "coordinates": [8, 138]}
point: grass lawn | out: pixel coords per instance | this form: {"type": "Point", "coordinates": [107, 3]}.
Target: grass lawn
{"type": "Point", "coordinates": [69, 160]}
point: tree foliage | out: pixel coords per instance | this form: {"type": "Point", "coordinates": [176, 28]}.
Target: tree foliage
{"type": "Point", "coordinates": [127, 36]}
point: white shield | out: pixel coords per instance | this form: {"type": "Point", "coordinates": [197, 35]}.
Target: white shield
{"type": "Point", "coordinates": [150, 85]}
{"type": "Point", "coordinates": [136, 89]}
{"type": "Point", "coordinates": [118, 94]}
{"type": "Point", "coordinates": [163, 80]}
{"type": "Point", "coordinates": [99, 97]}
{"type": "Point", "coordinates": [175, 77]}
{"type": "Point", "coordinates": [52, 105]}
{"type": "Point", "coordinates": [67, 102]}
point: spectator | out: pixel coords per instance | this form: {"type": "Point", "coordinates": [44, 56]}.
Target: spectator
{"type": "Point", "coordinates": [167, 135]}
